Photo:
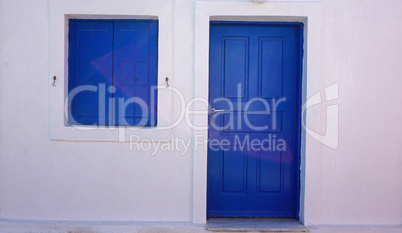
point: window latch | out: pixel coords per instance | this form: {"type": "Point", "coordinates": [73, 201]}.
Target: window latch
{"type": "Point", "coordinates": [167, 82]}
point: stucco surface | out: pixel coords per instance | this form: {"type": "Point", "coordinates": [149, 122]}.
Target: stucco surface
{"type": "Point", "coordinates": [359, 183]}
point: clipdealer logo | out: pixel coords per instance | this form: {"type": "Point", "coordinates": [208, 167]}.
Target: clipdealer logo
{"type": "Point", "coordinates": [330, 137]}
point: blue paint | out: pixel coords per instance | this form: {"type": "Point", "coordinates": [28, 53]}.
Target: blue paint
{"type": "Point", "coordinates": [90, 63]}
{"type": "Point", "coordinates": [122, 55]}
{"type": "Point", "coordinates": [115, 20]}
{"type": "Point", "coordinates": [135, 70]}
{"type": "Point", "coordinates": [265, 59]}
{"type": "Point", "coordinates": [299, 144]}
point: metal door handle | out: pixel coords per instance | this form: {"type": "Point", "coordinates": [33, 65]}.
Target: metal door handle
{"type": "Point", "coordinates": [213, 110]}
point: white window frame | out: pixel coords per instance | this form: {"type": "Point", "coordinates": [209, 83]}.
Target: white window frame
{"type": "Point", "coordinates": [59, 14]}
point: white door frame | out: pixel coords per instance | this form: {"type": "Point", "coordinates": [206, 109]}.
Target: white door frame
{"type": "Point", "coordinates": [307, 12]}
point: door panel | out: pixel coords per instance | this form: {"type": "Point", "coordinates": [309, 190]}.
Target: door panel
{"type": "Point", "coordinates": [235, 51]}
{"type": "Point", "coordinates": [253, 143]}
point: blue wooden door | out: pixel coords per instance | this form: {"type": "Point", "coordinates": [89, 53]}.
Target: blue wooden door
{"type": "Point", "coordinates": [253, 156]}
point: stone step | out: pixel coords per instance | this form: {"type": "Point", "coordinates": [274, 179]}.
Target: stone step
{"type": "Point", "coordinates": [254, 225]}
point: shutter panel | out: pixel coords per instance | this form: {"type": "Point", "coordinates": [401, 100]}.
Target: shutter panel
{"type": "Point", "coordinates": [90, 66]}
{"type": "Point", "coordinates": [135, 72]}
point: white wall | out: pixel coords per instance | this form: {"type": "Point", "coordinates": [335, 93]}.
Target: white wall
{"type": "Point", "coordinates": [361, 182]}
{"type": "Point", "coordinates": [358, 183]}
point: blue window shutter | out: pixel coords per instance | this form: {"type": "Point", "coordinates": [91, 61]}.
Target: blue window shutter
{"type": "Point", "coordinates": [135, 72]}
{"type": "Point", "coordinates": [90, 66]}
{"type": "Point", "coordinates": [153, 72]}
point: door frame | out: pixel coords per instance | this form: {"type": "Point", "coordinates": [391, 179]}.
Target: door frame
{"type": "Point", "coordinates": [299, 98]}
{"type": "Point", "coordinates": [279, 11]}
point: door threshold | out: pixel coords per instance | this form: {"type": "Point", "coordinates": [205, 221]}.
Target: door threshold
{"type": "Point", "coordinates": [254, 225]}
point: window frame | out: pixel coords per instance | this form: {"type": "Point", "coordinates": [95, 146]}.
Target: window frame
{"type": "Point", "coordinates": [59, 14]}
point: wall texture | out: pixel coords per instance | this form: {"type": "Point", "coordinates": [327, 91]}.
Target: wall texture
{"type": "Point", "coordinates": [358, 183]}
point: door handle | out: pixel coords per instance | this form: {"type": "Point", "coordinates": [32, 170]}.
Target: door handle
{"type": "Point", "coordinates": [213, 110]}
